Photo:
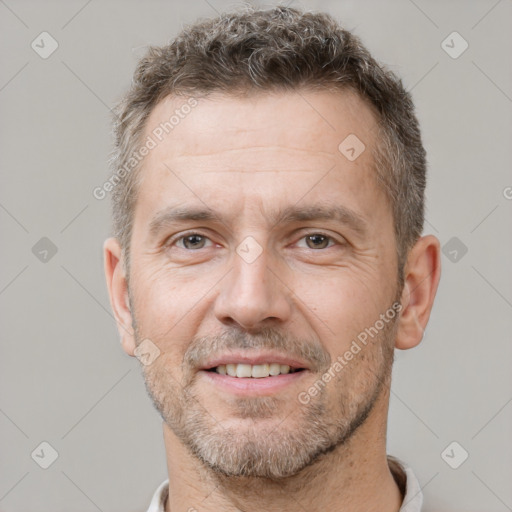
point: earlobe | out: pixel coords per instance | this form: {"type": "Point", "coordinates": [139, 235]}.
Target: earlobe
{"type": "Point", "coordinates": [421, 276]}
{"type": "Point", "coordinates": [118, 293]}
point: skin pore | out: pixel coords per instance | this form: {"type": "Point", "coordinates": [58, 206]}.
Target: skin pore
{"type": "Point", "coordinates": [267, 166]}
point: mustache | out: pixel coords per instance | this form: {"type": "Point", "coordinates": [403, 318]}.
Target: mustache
{"type": "Point", "coordinates": [204, 348]}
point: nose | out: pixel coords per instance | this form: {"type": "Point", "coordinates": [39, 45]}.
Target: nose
{"type": "Point", "coordinates": [252, 295]}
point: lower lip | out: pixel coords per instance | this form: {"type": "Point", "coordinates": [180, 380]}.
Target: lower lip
{"type": "Point", "coordinates": [253, 386]}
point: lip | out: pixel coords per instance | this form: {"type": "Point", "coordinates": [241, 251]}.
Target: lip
{"type": "Point", "coordinates": [256, 358]}
{"type": "Point", "coordinates": [243, 386]}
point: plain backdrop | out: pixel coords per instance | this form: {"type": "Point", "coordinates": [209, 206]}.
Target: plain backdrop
{"type": "Point", "coordinates": [64, 379]}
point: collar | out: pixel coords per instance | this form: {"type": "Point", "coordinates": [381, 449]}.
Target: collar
{"type": "Point", "coordinates": [402, 473]}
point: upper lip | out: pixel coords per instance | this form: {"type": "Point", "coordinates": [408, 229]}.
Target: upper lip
{"type": "Point", "coordinates": [243, 357]}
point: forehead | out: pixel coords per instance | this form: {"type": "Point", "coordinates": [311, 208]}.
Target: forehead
{"type": "Point", "coordinates": [307, 121]}
{"type": "Point", "coordinates": [266, 145]}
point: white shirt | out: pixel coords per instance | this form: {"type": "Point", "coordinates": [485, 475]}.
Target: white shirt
{"type": "Point", "coordinates": [412, 502]}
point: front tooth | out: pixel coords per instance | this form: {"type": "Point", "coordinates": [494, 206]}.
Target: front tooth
{"type": "Point", "coordinates": [260, 370]}
{"type": "Point", "coordinates": [231, 369]}
{"type": "Point", "coordinates": [275, 369]}
{"type": "Point", "coordinates": [243, 370]}
{"type": "Point", "coordinates": [285, 368]}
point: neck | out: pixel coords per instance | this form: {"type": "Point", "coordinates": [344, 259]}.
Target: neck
{"type": "Point", "coordinates": [354, 477]}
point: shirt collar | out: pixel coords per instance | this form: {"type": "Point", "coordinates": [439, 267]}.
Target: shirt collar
{"type": "Point", "coordinates": [159, 498]}
{"type": "Point", "coordinates": [412, 501]}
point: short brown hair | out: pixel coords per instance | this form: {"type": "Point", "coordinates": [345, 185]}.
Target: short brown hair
{"type": "Point", "coordinates": [276, 49]}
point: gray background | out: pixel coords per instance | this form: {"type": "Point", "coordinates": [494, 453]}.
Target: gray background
{"type": "Point", "coordinates": [65, 380]}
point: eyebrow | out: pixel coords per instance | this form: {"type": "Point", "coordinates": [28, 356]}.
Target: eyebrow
{"type": "Point", "coordinates": [173, 215]}
{"type": "Point", "coordinates": [338, 213]}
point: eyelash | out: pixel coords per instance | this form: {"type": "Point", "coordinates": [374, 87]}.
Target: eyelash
{"type": "Point", "coordinates": [172, 241]}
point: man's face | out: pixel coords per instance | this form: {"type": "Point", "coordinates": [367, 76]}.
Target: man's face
{"type": "Point", "coordinates": [265, 279]}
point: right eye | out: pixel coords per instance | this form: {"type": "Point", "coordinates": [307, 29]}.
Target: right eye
{"type": "Point", "coordinates": [191, 241]}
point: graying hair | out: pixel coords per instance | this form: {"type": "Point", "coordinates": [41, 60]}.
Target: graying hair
{"type": "Point", "coordinates": [279, 49]}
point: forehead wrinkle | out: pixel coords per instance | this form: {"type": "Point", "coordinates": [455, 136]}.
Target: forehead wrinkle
{"type": "Point", "coordinates": [246, 160]}
{"type": "Point", "coordinates": [259, 149]}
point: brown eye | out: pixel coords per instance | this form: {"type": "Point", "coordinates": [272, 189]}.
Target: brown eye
{"type": "Point", "coordinates": [317, 241]}
{"type": "Point", "coordinates": [193, 241]}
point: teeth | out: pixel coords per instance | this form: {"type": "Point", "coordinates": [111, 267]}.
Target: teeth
{"type": "Point", "coordinates": [256, 371]}
{"type": "Point", "coordinates": [275, 369]}
{"type": "Point", "coordinates": [260, 370]}
{"type": "Point", "coordinates": [243, 370]}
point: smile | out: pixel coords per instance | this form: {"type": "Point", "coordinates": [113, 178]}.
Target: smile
{"type": "Point", "coordinates": [255, 371]}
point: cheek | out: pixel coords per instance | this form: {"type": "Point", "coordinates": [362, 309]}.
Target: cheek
{"type": "Point", "coordinates": [340, 304]}
{"type": "Point", "coordinates": [360, 370]}
{"type": "Point", "coordinates": [163, 294]}
{"type": "Point", "coordinates": [160, 309]}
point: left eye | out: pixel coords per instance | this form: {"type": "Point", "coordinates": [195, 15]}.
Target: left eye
{"type": "Point", "coordinates": [317, 241]}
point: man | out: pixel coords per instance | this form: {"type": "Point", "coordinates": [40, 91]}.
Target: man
{"type": "Point", "coordinates": [267, 258]}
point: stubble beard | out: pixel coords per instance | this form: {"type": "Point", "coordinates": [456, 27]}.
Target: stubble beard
{"type": "Point", "coordinates": [272, 449]}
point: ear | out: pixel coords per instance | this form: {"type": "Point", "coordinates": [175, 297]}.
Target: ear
{"type": "Point", "coordinates": [118, 292]}
{"type": "Point", "coordinates": [421, 279]}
